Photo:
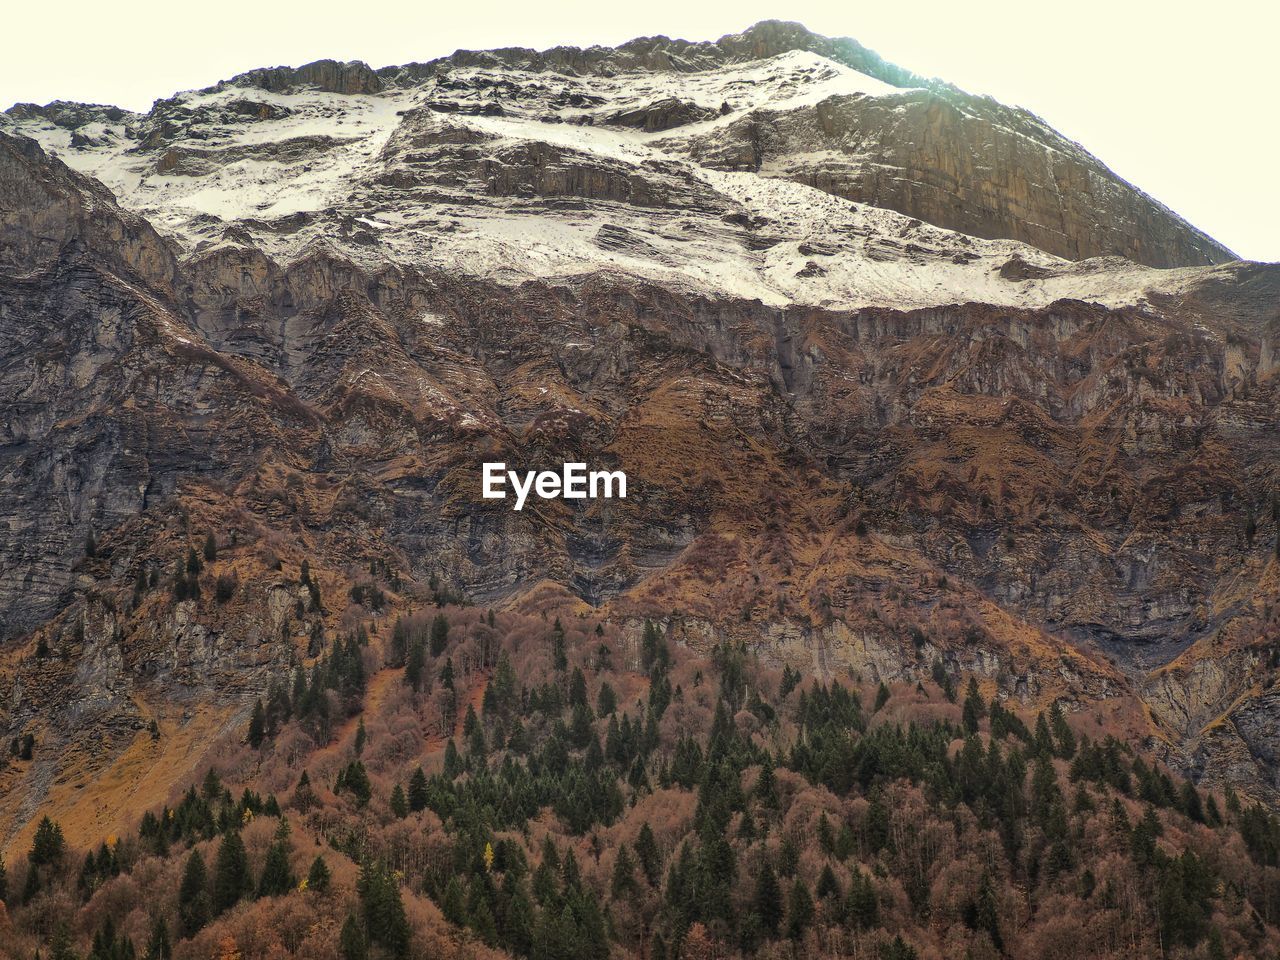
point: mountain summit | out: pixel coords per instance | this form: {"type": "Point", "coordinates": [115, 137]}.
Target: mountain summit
{"type": "Point", "coordinates": [652, 131]}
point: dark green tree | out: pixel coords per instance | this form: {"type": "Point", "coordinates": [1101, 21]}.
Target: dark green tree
{"type": "Point", "coordinates": [231, 878]}
{"type": "Point", "coordinates": [48, 846]}
{"type": "Point", "coordinates": [454, 902]}
{"type": "Point", "coordinates": [766, 788]}
{"type": "Point", "coordinates": [624, 874]}
{"type": "Point", "coordinates": [767, 902]}
{"type": "Point", "coordinates": [194, 905]}
{"type": "Point", "coordinates": [453, 765]}
{"type": "Point", "coordinates": [518, 920]}
{"type": "Point", "coordinates": [257, 725]}
{"type": "Point", "coordinates": [606, 700]}
{"type": "Point", "coordinates": [897, 949]}
{"type": "Point", "coordinates": [276, 879]}
{"type": "Point", "coordinates": [351, 941]}
{"type": "Point", "coordinates": [799, 910]}
{"type": "Point", "coordinates": [439, 634]}
{"type": "Point", "coordinates": [1062, 732]}
{"type": "Point", "coordinates": [383, 908]}
{"type": "Point", "coordinates": [648, 854]}
{"type": "Point", "coordinates": [158, 945]}
{"type": "Point", "coordinates": [975, 708]}
{"type": "Point", "coordinates": [399, 805]}
{"type": "Point", "coordinates": [415, 665]}
{"type": "Point", "coordinates": [577, 688]}
{"type": "Point", "coordinates": [984, 914]}
{"type": "Point", "coordinates": [862, 910]}
{"type": "Point", "coordinates": [882, 696]}
{"type": "Point", "coordinates": [318, 877]}
{"type": "Point", "coordinates": [418, 791]}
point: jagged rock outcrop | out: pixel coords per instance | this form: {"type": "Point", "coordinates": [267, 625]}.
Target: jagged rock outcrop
{"type": "Point", "coordinates": [48, 207]}
{"type": "Point", "coordinates": [329, 76]}
{"type": "Point", "coordinates": [662, 114]}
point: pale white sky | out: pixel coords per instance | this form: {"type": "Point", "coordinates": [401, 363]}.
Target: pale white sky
{"type": "Point", "coordinates": [1178, 98]}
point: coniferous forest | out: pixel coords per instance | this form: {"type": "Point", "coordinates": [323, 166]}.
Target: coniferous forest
{"type": "Point", "coordinates": [455, 783]}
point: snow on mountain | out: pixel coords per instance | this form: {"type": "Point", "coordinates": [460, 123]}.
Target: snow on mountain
{"type": "Point", "coordinates": [515, 175]}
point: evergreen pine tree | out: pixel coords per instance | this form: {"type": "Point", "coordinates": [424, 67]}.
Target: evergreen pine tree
{"type": "Point", "coordinates": [828, 886]}
{"type": "Point", "coordinates": [276, 878]}
{"type": "Point", "coordinates": [257, 725]}
{"type": "Point", "coordinates": [767, 901]}
{"type": "Point", "coordinates": [624, 874]}
{"type": "Point", "coordinates": [399, 805]}
{"type": "Point", "coordinates": [518, 920]}
{"type": "Point", "coordinates": [766, 788]}
{"type": "Point", "coordinates": [985, 914]}
{"type": "Point", "coordinates": [318, 877]}
{"type": "Point", "coordinates": [862, 911]}
{"type": "Point", "coordinates": [231, 878]}
{"type": "Point", "coordinates": [897, 949]}
{"type": "Point", "coordinates": [577, 688]}
{"type": "Point", "coordinates": [158, 945]}
{"type": "Point", "coordinates": [606, 700]}
{"type": "Point", "coordinates": [482, 923]}
{"type": "Point", "coordinates": [194, 906]}
{"type": "Point", "coordinates": [352, 942]}
{"type": "Point", "coordinates": [504, 686]}
{"type": "Point", "coordinates": [1043, 741]}
{"type": "Point", "coordinates": [799, 910]}
{"type": "Point", "coordinates": [1062, 732]}
{"type": "Point", "coordinates": [1212, 816]}
{"type": "Point", "coordinates": [882, 696]}
{"type": "Point", "coordinates": [439, 634]}
{"type": "Point", "coordinates": [826, 839]}
{"type": "Point", "coordinates": [418, 791]}
{"type": "Point", "coordinates": [580, 726]}
{"type": "Point", "coordinates": [974, 707]}
{"type": "Point", "coordinates": [1190, 801]}
{"type": "Point", "coordinates": [648, 854]}
{"type": "Point", "coordinates": [454, 903]}
{"type": "Point", "coordinates": [60, 947]}
{"type": "Point", "coordinates": [452, 762]}
{"type": "Point", "coordinates": [356, 779]}
{"type": "Point", "coordinates": [415, 665]}
{"type": "Point", "coordinates": [48, 845]}
{"type": "Point", "coordinates": [383, 908]}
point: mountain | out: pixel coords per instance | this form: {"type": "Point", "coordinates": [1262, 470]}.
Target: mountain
{"type": "Point", "coordinates": [907, 387]}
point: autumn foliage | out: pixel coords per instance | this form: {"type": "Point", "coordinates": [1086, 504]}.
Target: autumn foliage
{"type": "Point", "coordinates": [471, 785]}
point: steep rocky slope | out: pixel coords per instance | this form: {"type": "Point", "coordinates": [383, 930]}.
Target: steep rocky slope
{"type": "Point", "coordinates": [307, 304]}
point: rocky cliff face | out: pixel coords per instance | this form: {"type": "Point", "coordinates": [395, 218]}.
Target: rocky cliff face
{"type": "Point", "coordinates": [962, 162]}
{"type": "Point", "coordinates": [313, 302]}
